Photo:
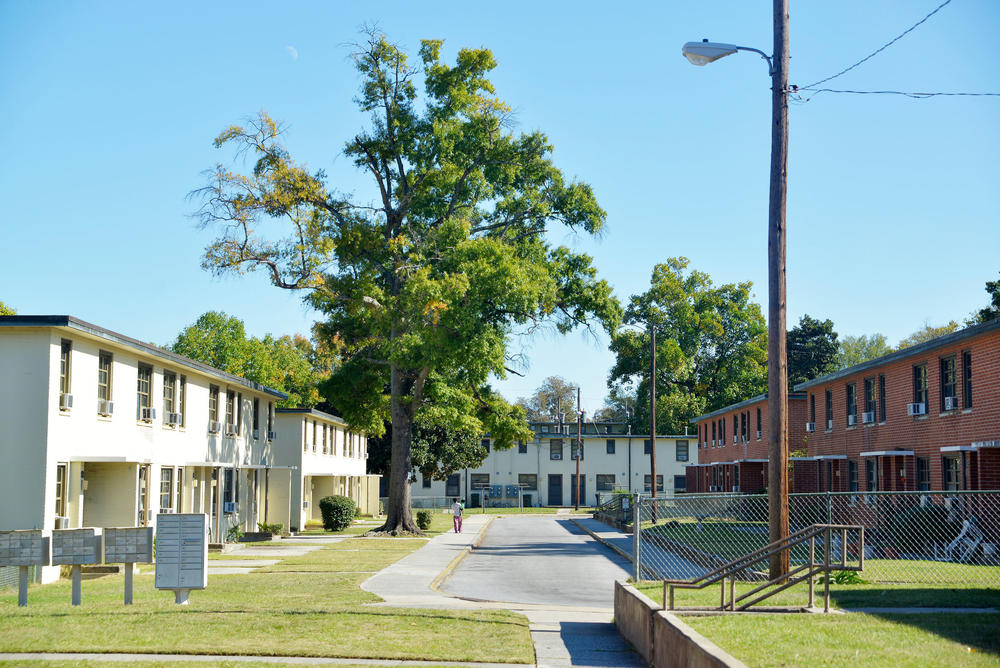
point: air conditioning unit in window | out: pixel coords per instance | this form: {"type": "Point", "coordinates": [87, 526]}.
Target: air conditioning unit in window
{"type": "Point", "coordinates": [565, 430]}
{"type": "Point", "coordinates": [916, 409]}
{"type": "Point", "coordinates": [735, 439]}
{"type": "Point", "coordinates": [868, 417]}
{"type": "Point", "coordinates": [951, 403]}
{"type": "Point", "coordinates": [229, 507]}
{"type": "Point", "coordinates": [758, 434]}
{"type": "Point", "coordinates": [256, 434]}
{"type": "Point", "coordinates": [214, 426]}
{"type": "Point", "coordinates": [713, 442]}
{"type": "Point", "coordinates": [852, 420]}
{"type": "Point", "coordinates": [736, 489]}
{"type": "Point", "coordinates": [810, 427]}
{"type": "Point", "coordinates": [556, 455]}
{"type": "Point", "coordinates": [147, 414]}
{"type": "Point", "coordinates": [105, 407]}
{"type": "Point", "coordinates": [829, 425]}
{"type": "Point", "coordinates": [173, 418]}
{"type": "Point", "coordinates": [230, 429]}
{"type": "Point", "coordinates": [271, 435]}
{"type": "Point", "coordinates": [65, 401]}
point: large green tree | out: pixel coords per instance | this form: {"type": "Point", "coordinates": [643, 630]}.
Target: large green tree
{"type": "Point", "coordinates": [991, 311]}
{"type": "Point", "coordinates": [7, 310]}
{"type": "Point", "coordinates": [812, 349]}
{"type": "Point", "coordinates": [553, 397]}
{"type": "Point", "coordinates": [711, 347]}
{"type": "Point", "coordinates": [853, 350]}
{"type": "Point", "coordinates": [424, 278]}
{"type": "Point", "coordinates": [290, 364]}
{"type": "Point", "coordinates": [926, 333]}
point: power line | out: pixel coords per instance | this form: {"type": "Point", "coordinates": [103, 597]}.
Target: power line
{"type": "Point", "coordinates": [880, 49]}
{"type": "Point", "coordinates": [917, 95]}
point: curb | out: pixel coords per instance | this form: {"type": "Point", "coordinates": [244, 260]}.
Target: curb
{"type": "Point", "coordinates": [622, 553]}
{"type": "Point", "coordinates": [450, 568]}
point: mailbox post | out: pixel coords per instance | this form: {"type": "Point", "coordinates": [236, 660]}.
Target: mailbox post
{"type": "Point", "coordinates": [24, 549]}
{"type": "Point", "coordinates": [182, 553]}
{"type": "Point", "coordinates": [73, 547]}
{"type": "Point", "coordinates": [128, 546]}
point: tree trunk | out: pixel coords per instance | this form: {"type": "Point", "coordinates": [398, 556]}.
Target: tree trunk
{"type": "Point", "coordinates": [399, 517]}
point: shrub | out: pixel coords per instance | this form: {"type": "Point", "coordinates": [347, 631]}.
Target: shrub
{"type": "Point", "coordinates": [270, 528]}
{"type": "Point", "coordinates": [234, 534]}
{"type": "Point", "coordinates": [337, 512]}
{"type": "Point", "coordinates": [424, 519]}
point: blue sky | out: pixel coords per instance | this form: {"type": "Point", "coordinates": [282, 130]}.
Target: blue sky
{"type": "Point", "coordinates": [108, 109]}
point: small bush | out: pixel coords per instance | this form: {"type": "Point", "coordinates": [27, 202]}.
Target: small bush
{"type": "Point", "coordinates": [234, 534]}
{"type": "Point", "coordinates": [424, 519]}
{"type": "Point", "coordinates": [274, 529]}
{"type": "Point", "coordinates": [844, 578]}
{"type": "Point", "coordinates": [337, 512]}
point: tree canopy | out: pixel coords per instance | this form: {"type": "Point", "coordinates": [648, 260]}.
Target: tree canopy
{"type": "Point", "coordinates": [290, 364]}
{"type": "Point", "coordinates": [554, 396]}
{"type": "Point", "coordinates": [853, 350]}
{"type": "Point", "coordinates": [812, 349]}
{"type": "Point", "coordinates": [424, 281]}
{"type": "Point", "coordinates": [991, 311]}
{"type": "Point", "coordinates": [711, 347]}
{"type": "Point", "coordinates": [926, 333]}
{"type": "Point", "coordinates": [7, 310]}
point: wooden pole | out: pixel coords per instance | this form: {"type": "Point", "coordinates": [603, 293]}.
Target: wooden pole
{"type": "Point", "coordinates": [579, 448]}
{"type": "Point", "coordinates": [777, 366]}
{"type": "Point", "coordinates": [652, 417]}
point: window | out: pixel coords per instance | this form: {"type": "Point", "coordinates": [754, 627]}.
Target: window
{"type": "Point", "coordinates": [610, 444]}
{"type": "Point", "coordinates": [480, 480]}
{"type": "Point", "coordinates": [577, 449]}
{"type": "Point", "coordinates": [722, 432]}
{"type": "Point", "coordinates": [426, 481]}
{"type": "Point", "coordinates": [256, 415]}
{"type": "Point", "coordinates": [213, 403]}
{"type": "Point", "coordinates": [871, 477]}
{"type": "Point", "coordinates": [522, 448]}
{"type": "Point", "coordinates": [812, 410]}
{"type": "Point", "coordinates": [682, 451]}
{"type": "Point", "coordinates": [143, 392]}
{"type": "Point", "coordinates": [949, 384]}
{"type": "Point", "coordinates": [451, 485]}
{"type": "Point", "coordinates": [952, 473]}
{"type": "Point", "coordinates": [65, 361]}
{"type": "Point", "coordinates": [527, 480]}
{"type": "Point", "coordinates": [743, 426]}
{"type": "Point", "coordinates": [239, 413]}
{"type": "Point", "coordinates": [829, 410]}
{"type": "Point", "coordinates": [852, 402]}
{"type": "Point", "coordinates": [230, 407]}
{"type": "Point", "coordinates": [659, 482]}
{"type": "Point", "coordinates": [920, 385]}
{"type": "Point", "coordinates": [647, 446]}
{"type": "Point", "coordinates": [61, 490]}
{"type": "Point", "coordinates": [870, 396]}
{"type": "Point", "coordinates": [555, 448]}
{"type": "Point", "coordinates": [270, 417]}
{"type": "Point", "coordinates": [680, 483]}
{"type": "Point", "coordinates": [182, 405]}
{"type": "Point", "coordinates": [314, 434]}
{"type": "Point", "coordinates": [923, 474]}
{"type": "Point", "coordinates": [323, 434]}
{"type": "Point", "coordinates": [605, 482]}
{"type": "Point", "coordinates": [759, 431]}
{"type": "Point", "coordinates": [486, 444]}
{"type": "Point", "coordinates": [166, 489]}
{"type": "Point", "coordinates": [967, 379]}
{"type": "Point", "coordinates": [169, 392]}
{"type": "Point", "coordinates": [103, 379]}
{"type": "Point", "coordinates": [852, 475]}
{"type": "Point", "coordinates": [229, 482]}
{"type": "Point", "coordinates": [713, 434]}
{"type": "Point", "coordinates": [735, 424]}
{"type": "Point", "coordinates": [881, 398]}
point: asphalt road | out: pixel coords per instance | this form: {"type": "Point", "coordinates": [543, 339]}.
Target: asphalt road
{"type": "Point", "coordinates": [542, 560]}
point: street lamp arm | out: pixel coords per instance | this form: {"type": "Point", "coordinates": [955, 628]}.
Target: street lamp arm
{"type": "Point", "coordinates": [770, 65]}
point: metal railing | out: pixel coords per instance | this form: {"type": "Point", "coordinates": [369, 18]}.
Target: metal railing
{"type": "Point", "coordinates": [925, 538]}
{"type": "Point", "coordinates": [746, 568]}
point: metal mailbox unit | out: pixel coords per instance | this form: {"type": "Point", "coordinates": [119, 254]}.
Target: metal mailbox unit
{"type": "Point", "coordinates": [129, 546]}
{"type": "Point", "coordinates": [73, 547]}
{"type": "Point", "coordinates": [24, 549]}
{"type": "Point", "coordinates": [182, 553]}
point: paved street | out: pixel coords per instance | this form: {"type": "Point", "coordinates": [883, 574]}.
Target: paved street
{"type": "Point", "coordinates": [546, 560]}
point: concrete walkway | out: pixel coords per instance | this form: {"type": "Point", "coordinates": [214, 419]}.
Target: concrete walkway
{"type": "Point", "coordinates": [563, 635]}
{"type": "Point", "coordinates": [655, 560]}
{"type": "Point", "coordinates": [287, 547]}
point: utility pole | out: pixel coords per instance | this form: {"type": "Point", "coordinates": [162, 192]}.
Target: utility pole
{"type": "Point", "coordinates": [579, 448]}
{"type": "Point", "coordinates": [652, 414]}
{"type": "Point", "coordinates": [777, 366]}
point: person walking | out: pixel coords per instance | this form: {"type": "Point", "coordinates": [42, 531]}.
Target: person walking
{"type": "Point", "coordinates": [456, 512]}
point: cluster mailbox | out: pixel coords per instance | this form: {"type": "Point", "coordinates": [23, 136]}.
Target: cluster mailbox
{"type": "Point", "coordinates": [73, 547]}
{"type": "Point", "coordinates": [128, 545]}
{"type": "Point", "coordinates": [182, 553]}
{"type": "Point", "coordinates": [24, 549]}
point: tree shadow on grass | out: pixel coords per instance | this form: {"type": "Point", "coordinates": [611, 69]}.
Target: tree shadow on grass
{"type": "Point", "coordinates": [977, 631]}
{"type": "Point", "coordinates": [913, 597]}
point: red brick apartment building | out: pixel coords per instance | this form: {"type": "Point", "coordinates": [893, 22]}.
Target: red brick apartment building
{"type": "Point", "coordinates": [923, 418]}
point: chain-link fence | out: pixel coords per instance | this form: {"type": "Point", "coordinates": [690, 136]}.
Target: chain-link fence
{"type": "Point", "coordinates": [910, 537]}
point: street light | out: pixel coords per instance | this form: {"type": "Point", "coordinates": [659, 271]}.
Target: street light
{"type": "Point", "coordinates": [702, 53]}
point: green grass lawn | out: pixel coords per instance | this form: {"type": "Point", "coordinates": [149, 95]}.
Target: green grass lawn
{"type": "Point", "coordinates": [266, 613]}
